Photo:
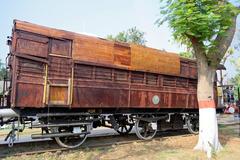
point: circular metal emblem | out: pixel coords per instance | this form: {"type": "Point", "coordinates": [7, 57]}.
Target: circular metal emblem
{"type": "Point", "coordinates": [155, 99]}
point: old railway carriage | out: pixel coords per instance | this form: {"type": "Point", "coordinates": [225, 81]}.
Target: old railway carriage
{"type": "Point", "coordinates": [70, 83]}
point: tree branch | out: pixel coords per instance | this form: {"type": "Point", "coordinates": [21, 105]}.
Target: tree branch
{"type": "Point", "coordinates": [223, 42]}
{"type": "Point", "coordinates": [198, 48]}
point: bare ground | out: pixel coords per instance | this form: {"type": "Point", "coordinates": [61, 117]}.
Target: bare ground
{"type": "Point", "coordinates": [163, 148]}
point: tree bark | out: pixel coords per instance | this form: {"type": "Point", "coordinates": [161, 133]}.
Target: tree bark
{"type": "Point", "coordinates": [208, 130]}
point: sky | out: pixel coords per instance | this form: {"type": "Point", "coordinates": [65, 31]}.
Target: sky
{"type": "Point", "coordinates": [94, 17]}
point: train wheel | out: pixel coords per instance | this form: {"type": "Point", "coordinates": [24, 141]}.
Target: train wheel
{"type": "Point", "coordinates": [70, 141]}
{"type": "Point", "coordinates": [144, 129]}
{"type": "Point", "coordinates": [124, 128]}
{"type": "Point", "coordinates": [193, 125]}
{"type": "Point", "coordinates": [124, 125]}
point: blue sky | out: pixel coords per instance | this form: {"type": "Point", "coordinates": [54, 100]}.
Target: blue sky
{"type": "Point", "coordinates": [96, 17]}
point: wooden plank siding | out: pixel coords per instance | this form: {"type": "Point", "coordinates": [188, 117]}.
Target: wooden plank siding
{"type": "Point", "coordinates": [98, 50]}
{"type": "Point", "coordinates": [56, 68]}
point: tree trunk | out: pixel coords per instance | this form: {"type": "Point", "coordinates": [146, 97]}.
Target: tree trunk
{"type": "Point", "coordinates": [208, 128]}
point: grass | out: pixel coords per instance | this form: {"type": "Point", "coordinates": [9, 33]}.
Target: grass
{"type": "Point", "coordinates": [229, 130]}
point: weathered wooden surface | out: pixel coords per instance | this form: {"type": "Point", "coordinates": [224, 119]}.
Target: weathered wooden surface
{"type": "Point", "coordinates": [52, 67]}
{"type": "Point", "coordinates": [152, 60]}
{"type": "Point", "coordinates": [97, 50]}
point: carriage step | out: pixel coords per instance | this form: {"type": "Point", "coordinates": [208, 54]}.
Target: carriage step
{"type": "Point", "coordinates": [62, 114]}
{"type": "Point", "coordinates": [52, 135]}
{"type": "Point", "coordinates": [60, 125]}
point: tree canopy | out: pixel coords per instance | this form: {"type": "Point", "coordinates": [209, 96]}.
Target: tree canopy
{"type": "Point", "coordinates": [132, 35]}
{"type": "Point", "coordinates": [236, 79]}
{"type": "Point", "coordinates": [186, 55]}
{"type": "Point", "coordinates": [2, 71]}
{"type": "Point", "coordinates": [205, 25]}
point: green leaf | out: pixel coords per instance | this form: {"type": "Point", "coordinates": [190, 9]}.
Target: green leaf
{"type": "Point", "coordinates": [202, 19]}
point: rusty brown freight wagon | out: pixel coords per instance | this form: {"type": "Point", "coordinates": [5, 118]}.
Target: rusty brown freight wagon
{"type": "Point", "coordinates": [73, 82]}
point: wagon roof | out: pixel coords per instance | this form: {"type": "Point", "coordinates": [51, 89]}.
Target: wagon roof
{"type": "Point", "coordinates": [98, 50]}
